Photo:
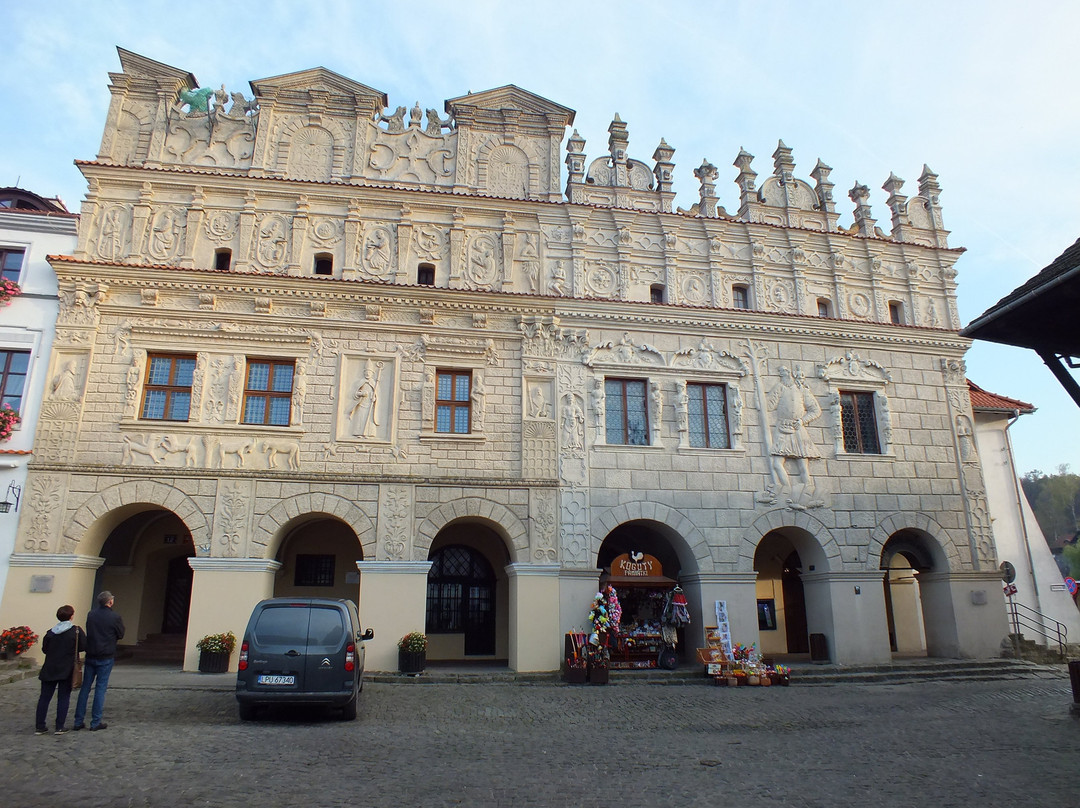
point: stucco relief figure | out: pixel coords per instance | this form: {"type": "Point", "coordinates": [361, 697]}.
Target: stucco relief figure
{"type": "Point", "coordinates": [272, 242]}
{"type": "Point", "coordinates": [113, 234]}
{"type": "Point", "coordinates": [482, 262]}
{"type": "Point", "coordinates": [65, 386]}
{"type": "Point", "coordinates": [364, 415]}
{"type": "Point", "coordinates": [557, 286]}
{"type": "Point", "coordinates": [435, 124]}
{"type": "Point", "coordinates": [573, 423]}
{"type": "Point", "coordinates": [530, 263]}
{"type": "Point", "coordinates": [682, 404]}
{"type": "Point", "coordinates": [377, 251]}
{"type": "Point", "coordinates": [596, 397]}
{"type": "Point", "coordinates": [793, 406]}
{"type": "Point", "coordinates": [396, 122]}
{"type": "Point", "coordinates": [538, 403]}
{"type": "Point", "coordinates": [965, 437]}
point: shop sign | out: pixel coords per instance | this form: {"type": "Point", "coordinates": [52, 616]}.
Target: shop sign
{"type": "Point", "coordinates": [636, 565]}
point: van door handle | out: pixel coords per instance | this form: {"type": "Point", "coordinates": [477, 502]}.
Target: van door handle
{"type": "Point", "coordinates": [292, 652]}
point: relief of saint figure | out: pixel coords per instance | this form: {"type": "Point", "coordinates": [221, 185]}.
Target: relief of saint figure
{"type": "Point", "coordinates": [364, 416]}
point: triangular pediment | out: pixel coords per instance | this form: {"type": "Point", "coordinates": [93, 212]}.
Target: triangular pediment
{"type": "Point", "coordinates": [512, 97]}
{"type": "Point", "coordinates": [135, 65]}
{"type": "Point", "coordinates": [317, 78]}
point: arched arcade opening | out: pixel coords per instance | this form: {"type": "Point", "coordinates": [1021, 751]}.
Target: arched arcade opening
{"type": "Point", "coordinates": [467, 608]}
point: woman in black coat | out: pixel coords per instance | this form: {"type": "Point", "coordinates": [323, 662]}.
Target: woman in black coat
{"type": "Point", "coordinates": [61, 644]}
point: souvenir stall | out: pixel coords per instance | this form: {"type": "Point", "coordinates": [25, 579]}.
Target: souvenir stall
{"type": "Point", "coordinates": [653, 609]}
{"type": "Point", "coordinates": [734, 664]}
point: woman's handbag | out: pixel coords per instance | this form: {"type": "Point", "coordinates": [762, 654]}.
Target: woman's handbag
{"type": "Point", "coordinates": [77, 671]}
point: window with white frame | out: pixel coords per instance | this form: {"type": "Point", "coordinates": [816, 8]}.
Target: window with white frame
{"type": "Point", "coordinates": [11, 261]}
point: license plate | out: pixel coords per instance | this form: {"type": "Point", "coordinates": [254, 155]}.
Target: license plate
{"type": "Point", "coordinates": [267, 679]}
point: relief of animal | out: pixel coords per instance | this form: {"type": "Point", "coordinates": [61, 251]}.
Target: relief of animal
{"type": "Point", "coordinates": [146, 448]}
{"type": "Point", "coordinates": [238, 448]}
{"type": "Point", "coordinates": [190, 449]}
{"type": "Point", "coordinates": [290, 449]}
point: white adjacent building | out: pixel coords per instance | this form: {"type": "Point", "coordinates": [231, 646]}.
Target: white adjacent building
{"type": "Point", "coordinates": [31, 228]}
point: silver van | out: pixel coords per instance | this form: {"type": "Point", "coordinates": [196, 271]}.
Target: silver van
{"type": "Point", "coordinates": [302, 651]}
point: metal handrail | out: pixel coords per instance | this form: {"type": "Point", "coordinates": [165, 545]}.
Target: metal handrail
{"type": "Point", "coordinates": [1048, 628]}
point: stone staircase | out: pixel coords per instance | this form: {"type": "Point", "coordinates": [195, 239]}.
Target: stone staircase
{"type": "Point", "coordinates": [1032, 651]}
{"type": "Point", "coordinates": [156, 649]}
{"type": "Point", "coordinates": [802, 674]}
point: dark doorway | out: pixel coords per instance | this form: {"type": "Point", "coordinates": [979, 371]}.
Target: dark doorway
{"type": "Point", "coordinates": [798, 641]}
{"type": "Point", "coordinates": [177, 596]}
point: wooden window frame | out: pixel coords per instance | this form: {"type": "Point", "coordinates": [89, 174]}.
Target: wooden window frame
{"type": "Point", "coordinates": [269, 393]}
{"type": "Point", "coordinates": [626, 410]}
{"type": "Point", "coordinates": [850, 402]}
{"type": "Point", "coordinates": [701, 389]}
{"type": "Point", "coordinates": [454, 404]}
{"type": "Point", "coordinates": [737, 291]}
{"type": "Point", "coordinates": [170, 390]}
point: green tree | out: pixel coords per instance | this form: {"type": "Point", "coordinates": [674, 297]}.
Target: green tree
{"type": "Point", "coordinates": [1055, 499]}
{"type": "Point", "coordinates": [1072, 556]}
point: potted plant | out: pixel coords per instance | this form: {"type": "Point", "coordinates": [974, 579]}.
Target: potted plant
{"type": "Point", "coordinates": [16, 640]}
{"type": "Point", "coordinates": [412, 653]}
{"type": "Point", "coordinates": [8, 290]}
{"type": "Point", "coordinates": [8, 419]}
{"type": "Point", "coordinates": [214, 652]}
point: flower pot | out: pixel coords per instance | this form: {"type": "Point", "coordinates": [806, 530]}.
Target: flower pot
{"type": "Point", "coordinates": [213, 662]}
{"type": "Point", "coordinates": [574, 676]}
{"type": "Point", "coordinates": [411, 661]}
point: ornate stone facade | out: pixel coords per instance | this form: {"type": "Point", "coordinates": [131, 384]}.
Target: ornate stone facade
{"type": "Point", "coordinates": [377, 254]}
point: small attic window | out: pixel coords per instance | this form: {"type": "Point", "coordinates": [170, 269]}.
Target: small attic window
{"type": "Point", "coordinates": [324, 264]}
{"type": "Point", "coordinates": [656, 293]}
{"type": "Point", "coordinates": [896, 312]}
{"type": "Point", "coordinates": [222, 259]}
{"type": "Point", "coordinates": [425, 274]}
{"type": "Point", "coordinates": [824, 307]}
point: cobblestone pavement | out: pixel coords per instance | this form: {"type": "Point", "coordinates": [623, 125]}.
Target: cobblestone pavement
{"type": "Point", "coordinates": [940, 744]}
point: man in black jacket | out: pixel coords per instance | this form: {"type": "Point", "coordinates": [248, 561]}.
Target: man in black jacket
{"type": "Point", "coordinates": [104, 628]}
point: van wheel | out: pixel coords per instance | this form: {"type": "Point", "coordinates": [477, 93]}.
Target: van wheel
{"type": "Point", "coordinates": [247, 712]}
{"type": "Point", "coordinates": [348, 712]}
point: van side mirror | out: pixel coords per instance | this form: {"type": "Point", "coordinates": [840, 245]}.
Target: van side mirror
{"type": "Point", "coordinates": [368, 635]}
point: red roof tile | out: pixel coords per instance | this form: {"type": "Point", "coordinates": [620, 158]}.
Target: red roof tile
{"type": "Point", "coordinates": [985, 400]}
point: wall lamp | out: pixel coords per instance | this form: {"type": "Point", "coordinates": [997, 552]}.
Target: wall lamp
{"type": "Point", "coordinates": [13, 491]}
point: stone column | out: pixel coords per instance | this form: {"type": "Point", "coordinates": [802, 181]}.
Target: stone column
{"type": "Point", "coordinates": [535, 639]}
{"type": "Point", "coordinates": [393, 601]}
{"type": "Point", "coordinates": [964, 614]}
{"type": "Point", "coordinates": [38, 583]}
{"type": "Point", "coordinates": [577, 588]}
{"type": "Point", "coordinates": [738, 589]}
{"type": "Point", "coordinates": [849, 609]}
{"type": "Point", "coordinates": [223, 593]}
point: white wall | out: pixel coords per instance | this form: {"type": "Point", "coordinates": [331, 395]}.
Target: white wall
{"type": "Point", "coordinates": [1017, 535]}
{"type": "Point", "coordinates": [28, 323]}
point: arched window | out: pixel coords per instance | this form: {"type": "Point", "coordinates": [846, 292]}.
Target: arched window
{"type": "Point", "coordinates": [324, 264]}
{"type": "Point", "coordinates": [461, 597]}
{"type": "Point", "coordinates": [824, 307]}
{"type": "Point", "coordinates": [740, 297]}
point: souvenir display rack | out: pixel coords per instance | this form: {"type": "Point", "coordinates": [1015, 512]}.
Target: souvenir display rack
{"type": "Point", "coordinates": [743, 666]}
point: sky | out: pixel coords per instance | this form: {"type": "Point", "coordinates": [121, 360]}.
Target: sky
{"type": "Point", "coordinates": [982, 91]}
